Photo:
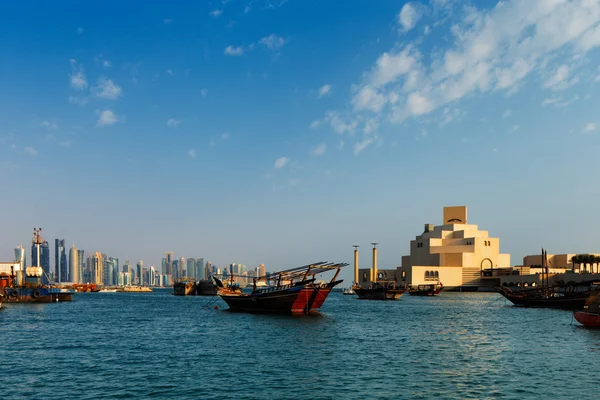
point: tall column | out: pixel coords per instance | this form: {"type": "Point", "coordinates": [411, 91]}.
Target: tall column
{"type": "Point", "coordinates": [356, 264]}
{"type": "Point", "coordinates": [374, 271]}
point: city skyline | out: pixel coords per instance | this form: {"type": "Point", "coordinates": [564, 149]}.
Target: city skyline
{"type": "Point", "coordinates": [283, 132]}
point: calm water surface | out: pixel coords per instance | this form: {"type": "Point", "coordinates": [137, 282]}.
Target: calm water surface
{"type": "Point", "coordinates": [155, 345]}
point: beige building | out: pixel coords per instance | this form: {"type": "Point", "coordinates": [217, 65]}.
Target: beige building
{"type": "Point", "coordinates": [455, 253]}
{"type": "Point", "coordinates": [559, 261]}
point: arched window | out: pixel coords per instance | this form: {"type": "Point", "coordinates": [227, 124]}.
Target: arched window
{"type": "Point", "coordinates": [511, 284]}
{"type": "Point", "coordinates": [403, 276]}
{"type": "Point", "coordinates": [364, 276]}
{"type": "Point", "coordinates": [426, 275]}
{"type": "Point", "coordinates": [533, 284]}
{"type": "Point", "coordinates": [525, 284]}
{"type": "Point", "coordinates": [436, 275]}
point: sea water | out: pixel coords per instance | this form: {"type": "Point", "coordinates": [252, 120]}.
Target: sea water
{"type": "Point", "coordinates": [156, 345]}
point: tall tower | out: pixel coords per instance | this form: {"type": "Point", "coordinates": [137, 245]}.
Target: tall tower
{"type": "Point", "coordinates": [139, 267]}
{"type": "Point", "coordinates": [374, 272]}
{"type": "Point", "coordinates": [81, 264]}
{"type": "Point", "coordinates": [191, 268]}
{"type": "Point", "coordinates": [200, 273]}
{"type": "Point", "coordinates": [168, 263]}
{"type": "Point", "coordinates": [60, 261]}
{"type": "Point", "coordinates": [21, 256]}
{"type": "Point", "coordinates": [74, 264]}
{"type": "Point", "coordinates": [97, 268]}
{"type": "Point", "coordinates": [182, 267]}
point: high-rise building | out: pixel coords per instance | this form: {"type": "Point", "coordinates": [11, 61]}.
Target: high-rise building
{"type": "Point", "coordinates": [109, 271]}
{"type": "Point", "coordinates": [126, 266]}
{"type": "Point", "coordinates": [175, 269]}
{"type": "Point", "coordinates": [182, 266]}
{"type": "Point", "coordinates": [44, 260]}
{"type": "Point", "coordinates": [140, 276]}
{"type": "Point", "coordinates": [262, 271]}
{"type": "Point", "coordinates": [97, 268]}
{"type": "Point", "coordinates": [209, 270]}
{"type": "Point", "coordinates": [190, 268]}
{"type": "Point", "coordinates": [200, 272]}
{"type": "Point", "coordinates": [152, 281]}
{"type": "Point", "coordinates": [21, 256]}
{"type": "Point", "coordinates": [61, 271]}
{"type": "Point", "coordinates": [81, 264]}
{"type": "Point", "coordinates": [74, 264]}
{"type": "Point", "coordinates": [168, 263]}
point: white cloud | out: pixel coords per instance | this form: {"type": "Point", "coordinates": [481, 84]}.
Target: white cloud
{"type": "Point", "coordinates": [50, 125]}
{"type": "Point", "coordinates": [315, 124]}
{"type": "Point", "coordinates": [169, 72]}
{"type": "Point", "coordinates": [79, 100]}
{"type": "Point", "coordinates": [272, 42]}
{"type": "Point", "coordinates": [360, 146]}
{"type": "Point", "coordinates": [31, 151]}
{"type": "Point", "coordinates": [487, 51]}
{"type": "Point", "coordinates": [107, 89]}
{"type": "Point", "coordinates": [106, 64]}
{"type": "Point", "coordinates": [590, 127]}
{"type": "Point", "coordinates": [78, 79]}
{"type": "Point", "coordinates": [558, 101]}
{"type": "Point", "coordinates": [324, 90]}
{"type": "Point", "coordinates": [192, 153]}
{"type": "Point", "coordinates": [106, 117]}
{"type": "Point", "coordinates": [506, 114]}
{"type": "Point", "coordinates": [247, 9]}
{"type": "Point", "coordinates": [319, 150]}
{"type": "Point", "coordinates": [234, 51]}
{"type": "Point", "coordinates": [79, 30]}
{"type": "Point", "coordinates": [225, 135]}
{"type": "Point", "coordinates": [204, 92]}
{"type": "Point", "coordinates": [513, 128]}
{"type": "Point", "coordinates": [173, 122]}
{"type": "Point", "coordinates": [339, 124]}
{"type": "Point", "coordinates": [281, 162]}
{"type": "Point", "coordinates": [409, 16]}
{"type": "Point", "coordinates": [215, 13]}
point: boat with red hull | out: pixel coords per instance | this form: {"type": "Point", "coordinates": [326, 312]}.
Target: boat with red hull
{"type": "Point", "coordinates": [590, 315]}
{"type": "Point", "coordinates": [295, 291]}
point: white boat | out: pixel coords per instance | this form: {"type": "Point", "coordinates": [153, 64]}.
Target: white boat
{"type": "Point", "coordinates": [348, 291]}
{"type": "Point", "coordinates": [108, 291]}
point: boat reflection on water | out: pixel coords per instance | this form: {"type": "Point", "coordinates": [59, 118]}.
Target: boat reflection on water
{"type": "Point", "coordinates": [293, 291]}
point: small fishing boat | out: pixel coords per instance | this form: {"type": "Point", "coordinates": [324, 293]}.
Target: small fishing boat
{"type": "Point", "coordinates": [184, 287]}
{"type": "Point", "coordinates": [348, 291]}
{"type": "Point", "coordinates": [205, 287]}
{"type": "Point", "coordinates": [292, 291]}
{"type": "Point", "coordinates": [430, 289]}
{"type": "Point", "coordinates": [590, 315]}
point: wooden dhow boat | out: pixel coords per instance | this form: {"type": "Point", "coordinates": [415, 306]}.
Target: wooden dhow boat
{"type": "Point", "coordinates": [570, 296]}
{"type": "Point", "coordinates": [429, 289]}
{"type": "Point", "coordinates": [293, 291]}
{"type": "Point", "coordinates": [379, 290]}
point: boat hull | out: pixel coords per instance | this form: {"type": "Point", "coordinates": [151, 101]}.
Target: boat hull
{"type": "Point", "coordinates": [378, 293]}
{"type": "Point", "coordinates": [312, 298]}
{"type": "Point", "coordinates": [589, 320]}
{"type": "Point", "coordinates": [206, 288]}
{"type": "Point", "coordinates": [34, 295]}
{"type": "Point", "coordinates": [531, 300]}
{"type": "Point", "coordinates": [184, 289]}
{"type": "Point", "coordinates": [277, 302]}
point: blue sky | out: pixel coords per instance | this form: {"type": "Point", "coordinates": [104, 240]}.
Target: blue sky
{"type": "Point", "coordinates": [284, 132]}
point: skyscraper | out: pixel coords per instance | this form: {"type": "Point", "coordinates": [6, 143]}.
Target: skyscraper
{"type": "Point", "coordinates": [61, 271]}
{"type": "Point", "coordinates": [191, 268]}
{"type": "Point", "coordinates": [200, 272]}
{"type": "Point", "coordinates": [21, 256]}
{"type": "Point", "coordinates": [97, 268]}
{"type": "Point", "coordinates": [139, 268]}
{"type": "Point", "coordinates": [81, 261]}
{"type": "Point", "coordinates": [182, 270]}
{"type": "Point", "coordinates": [175, 269]}
{"type": "Point", "coordinates": [168, 263]}
{"type": "Point", "coordinates": [74, 264]}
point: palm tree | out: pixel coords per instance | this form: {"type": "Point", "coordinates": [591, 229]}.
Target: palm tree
{"type": "Point", "coordinates": [575, 260]}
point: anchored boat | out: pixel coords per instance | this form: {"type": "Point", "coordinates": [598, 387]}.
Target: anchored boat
{"type": "Point", "coordinates": [430, 289]}
{"type": "Point", "coordinates": [293, 291]}
{"type": "Point", "coordinates": [184, 287]}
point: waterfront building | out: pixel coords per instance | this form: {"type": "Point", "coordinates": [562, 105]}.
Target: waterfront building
{"type": "Point", "coordinates": [74, 264]}
{"type": "Point", "coordinates": [190, 267]}
{"type": "Point", "coordinates": [199, 267]}
{"type": "Point", "coordinates": [455, 253]}
{"type": "Point", "coordinates": [152, 281]}
{"type": "Point", "coordinates": [139, 268]}
{"type": "Point", "coordinates": [182, 266]}
{"type": "Point", "coordinates": [97, 268]}
{"type": "Point", "coordinates": [61, 271]}
{"type": "Point", "coordinates": [175, 269]}
{"type": "Point", "coordinates": [562, 261]}
{"type": "Point", "coordinates": [262, 271]}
